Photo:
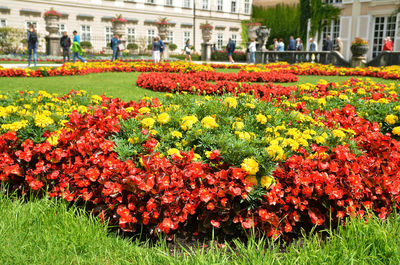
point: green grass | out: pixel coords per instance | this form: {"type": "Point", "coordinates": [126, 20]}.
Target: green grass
{"type": "Point", "coordinates": [49, 232]}
{"type": "Point", "coordinates": [121, 85]}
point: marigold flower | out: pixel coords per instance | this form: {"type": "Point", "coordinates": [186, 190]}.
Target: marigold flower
{"type": "Point", "coordinates": [250, 166]}
{"type": "Point", "coordinates": [391, 119]}
{"type": "Point", "coordinates": [209, 122]}
{"type": "Point", "coordinates": [148, 123]}
{"type": "Point", "coordinates": [261, 118]}
{"type": "Point", "coordinates": [237, 125]}
{"type": "Point", "coordinates": [176, 134]}
{"type": "Point", "coordinates": [163, 118]}
{"type": "Point", "coordinates": [396, 130]}
{"type": "Point", "coordinates": [230, 102]}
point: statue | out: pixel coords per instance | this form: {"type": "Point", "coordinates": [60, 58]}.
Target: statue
{"type": "Point", "coordinates": [262, 37]}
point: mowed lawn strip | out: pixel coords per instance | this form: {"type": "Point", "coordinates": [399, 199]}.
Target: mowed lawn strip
{"type": "Point", "coordinates": [51, 232]}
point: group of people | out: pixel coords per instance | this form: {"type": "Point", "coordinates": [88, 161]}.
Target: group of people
{"type": "Point", "coordinates": [158, 50]}
{"type": "Point", "coordinates": [65, 43]}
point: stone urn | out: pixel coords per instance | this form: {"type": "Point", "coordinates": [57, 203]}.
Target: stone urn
{"type": "Point", "coordinates": [206, 33]}
{"type": "Point", "coordinates": [119, 28]}
{"type": "Point", "coordinates": [162, 29]}
{"type": "Point", "coordinates": [252, 31]}
{"type": "Point", "coordinates": [359, 50]}
{"type": "Point", "coordinates": [52, 25]}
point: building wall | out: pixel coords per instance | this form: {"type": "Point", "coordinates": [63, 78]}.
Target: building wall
{"type": "Point", "coordinates": [358, 20]}
{"type": "Point", "coordinates": [227, 23]}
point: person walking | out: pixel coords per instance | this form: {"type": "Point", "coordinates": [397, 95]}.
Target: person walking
{"type": "Point", "coordinates": [327, 45]}
{"type": "Point", "coordinates": [252, 51]}
{"type": "Point", "coordinates": [187, 51]}
{"type": "Point", "coordinates": [156, 50]}
{"type": "Point", "coordinates": [230, 49]}
{"type": "Point", "coordinates": [275, 45]}
{"type": "Point", "coordinates": [339, 46]}
{"type": "Point", "coordinates": [115, 47]}
{"type": "Point", "coordinates": [388, 46]}
{"type": "Point", "coordinates": [65, 43]}
{"type": "Point", "coordinates": [33, 41]}
{"type": "Point", "coordinates": [281, 46]}
{"type": "Point", "coordinates": [76, 48]}
{"type": "Point", "coordinates": [162, 49]}
{"type": "Point", "coordinates": [313, 48]}
{"type": "Point", "coordinates": [292, 44]}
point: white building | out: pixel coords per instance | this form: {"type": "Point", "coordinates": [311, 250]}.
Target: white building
{"type": "Point", "coordinates": [92, 18]}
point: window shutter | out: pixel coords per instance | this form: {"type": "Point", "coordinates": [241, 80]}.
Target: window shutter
{"type": "Point", "coordinates": [345, 35]}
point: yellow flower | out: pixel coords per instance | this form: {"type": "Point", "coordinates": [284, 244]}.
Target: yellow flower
{"type": "Point", "coordinates": [163, 118]}
{"type": "Point", "coordinates": [230, 102]}
{"type": "Point", "coordinates": [252, 179]}
{"type": "Point", "coordinates": [43, 120]}
{"type": "Point", "coordinates": [261, 118]}
{"type": "Point", "coordinates": [275, 152]}
{"type": "Point", "coordinates": [148, 123]}
{"type": "Point", "coordinates": [209, 122]}
{"type": "Point", "coordinates": [266, 181]}
{"type": "Point", "coordinates": [133, 140]}
{"type": "Point", "coordinates": [396, 130]}
{"type": "Point", "coordinates": [338, 133]}
{"type": "Point", "coordinates": [250, 105]}
{"type": "Point", "coordinates": [144, 110]}
{"type": "Point", "coordinates": [238, 125]}
{"type": "Point", "coordinates": [250, 166]}
{"type": "Point", "coordinates": [53, 140]}
{"type": "Point", "coordinates": [176, 134]}
{"type": "Point", "coordinates": [188, 122]}
{"type": "Point", "coordinates": [174, 151]}
{"type": "Point", "coordinates": [319, 140]}
{"type": "Point", "coordinates": [391, 119]}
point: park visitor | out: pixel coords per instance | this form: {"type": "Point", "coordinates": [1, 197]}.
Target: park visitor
{"type": "Point", "coordinates": [32, 40]}
{"type": "Point", "coordinates": [115, 47]}
{"type": "Point", "coordinates": [281, 46]}
{"type": "Point", "coordinates": [327, 44]}
{"type": "Point", "coordinates": [187, 51]}
{"type": "Point", "coordinates": [252, 51]}
{"type": "Point", "coordinates": [65, 43]}
{"type": "Point", "coordinates": [299, 45]}
{"type": "Point", "coordinates": [388, 46]}
{"type": "Point", "coordinates": [76, 48]}
{"type": "Point", "coordinates": [156, 50]}
{"type": "Point", "coordinates": [275, 45]}
{"type": "Point", "coordinates": [162, 49]}
{"type": "Point", "coordinates": [339, 46]}
{"type": "Point", "coordinates": [230, 48]}
{"type": "Point", "coordinates": [292, 44]}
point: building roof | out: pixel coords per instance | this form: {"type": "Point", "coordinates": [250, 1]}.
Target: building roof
{"type": "Point", "coordinates": [268, 3]}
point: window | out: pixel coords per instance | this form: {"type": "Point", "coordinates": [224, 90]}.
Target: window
{"type": "Point", "coordinates": [233, 6]}
{"type": "Point", "coordinates": [3, 23]}
{"type": "Point", "coordinates": [151, 34]}
{"type": "Point", "coordinates": [332, 29]}
{"type": "Point", "coordinates": [186, 3]}
{"type": "Point", "coordinates": [85, 33]}
{"type": "Point", "coordinates": [247, 6]}
{"type": "Point", "coordinates": [186, 36]}
{"type": "Point", "coordinates": [383, 27]}
{"type": "Point", "coordinates": [332, 1]}
{"type": "Point", "coordinates": [220, 5]}
{"type": "Point", "coordinates": [169, 2]}
{"type": "Point", "coordinates": [234, 37]}
{"type": "Point", "coordinates": [205, 4]}
{"type": "Point", "coordinates": [170, 37]}
{"type": "Point", "coordinates": [109, 34]}
{"type": "Point", "coordinates": [220, 41]}
{"type": "Point", "coordinates": [61, 29]}
{"type": "Point", "coordinates": [131, 37]}
{"type": "Point", "coordinates": [34, 23]}
{"type": "Point", "coordinates": [150, 1]}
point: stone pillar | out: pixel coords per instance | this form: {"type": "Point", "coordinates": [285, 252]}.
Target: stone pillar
{"type": "Point", "coordinates": [206, 50]}
{"type": "Point", "coordinates": [359, 58]}
{"type": "Point", "coordinates": [52, 40]}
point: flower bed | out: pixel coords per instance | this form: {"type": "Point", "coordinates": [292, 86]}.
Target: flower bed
{"type": "Point", "coordinates": [308, 155]}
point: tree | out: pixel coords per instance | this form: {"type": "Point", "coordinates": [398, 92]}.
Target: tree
{"type": "Point", "coordinates": [11, 39]}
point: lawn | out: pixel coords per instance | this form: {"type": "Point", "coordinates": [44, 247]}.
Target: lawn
{"type": "Point", "coordinates": [121, 85]}
{"type": "Point", "coordinates": [50, 232]}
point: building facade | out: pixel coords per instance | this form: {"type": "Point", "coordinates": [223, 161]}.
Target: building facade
{"type": "Point", "coordinates": [92, 18]}
{"type": "Point", "coordinates": [371, 20]}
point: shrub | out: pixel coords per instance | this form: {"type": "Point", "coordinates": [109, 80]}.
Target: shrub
{"type": "Point", "coordinates": [172, 46]}
{"type": "Point", "coordinates": [86, 44]}
{"type": "Point", "coordinates": [238, 56]}
{"type": "Point", "coordinates": [132, 46]}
